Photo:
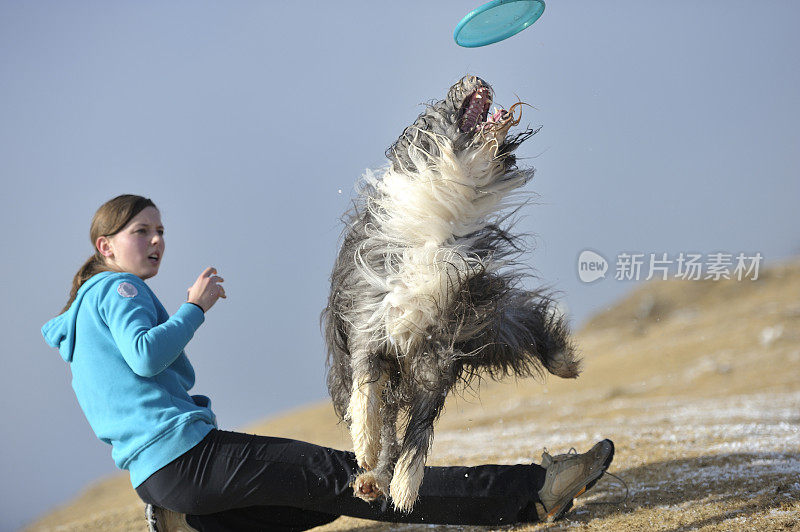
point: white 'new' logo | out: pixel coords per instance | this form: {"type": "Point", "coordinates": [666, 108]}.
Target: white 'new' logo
{"type": "Point", "coordinates": [591, 266]}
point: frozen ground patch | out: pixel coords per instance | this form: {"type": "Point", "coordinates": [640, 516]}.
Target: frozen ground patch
{"type": "Point", "coordinates": [766, 424]}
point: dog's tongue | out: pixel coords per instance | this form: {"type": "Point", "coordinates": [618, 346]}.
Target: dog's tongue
{"type": "Point", "coordinates": [497, 115]}
{"type": "Point", "coordinates": [475, 109]}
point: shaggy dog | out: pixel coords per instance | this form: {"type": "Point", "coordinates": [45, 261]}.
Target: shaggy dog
{"type": "Point", "coordinates": [424, 295]}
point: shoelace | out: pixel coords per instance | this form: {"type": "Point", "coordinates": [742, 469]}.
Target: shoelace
{"type": "Point", "coordinates": [572, 452]}
{"type": "Point", "coordinates": [624, 499]}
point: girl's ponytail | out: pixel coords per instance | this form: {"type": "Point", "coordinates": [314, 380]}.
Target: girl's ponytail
{"type": "Point", "coordinates": [95, 264]}
{"type": "Point", "coordinates": [110, 219]}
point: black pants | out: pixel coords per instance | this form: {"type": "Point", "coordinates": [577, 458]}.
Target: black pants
{"type": "Point", "coordinates": [240, 482]}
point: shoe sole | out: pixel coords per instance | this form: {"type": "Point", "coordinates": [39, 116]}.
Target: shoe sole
{"type": "Point", "coordinates": [149, 516]}
{"type": "Point", "coordinates": [560, 509]}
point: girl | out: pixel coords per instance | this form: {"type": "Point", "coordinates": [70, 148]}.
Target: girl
{"type": "Point", "coordinates": [132, 378]}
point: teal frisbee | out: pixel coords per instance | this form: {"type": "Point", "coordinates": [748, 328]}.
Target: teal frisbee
{"type": "Point", "coordinates": [496, 20]}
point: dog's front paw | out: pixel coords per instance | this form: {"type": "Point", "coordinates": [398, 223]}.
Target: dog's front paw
{"type": "Point", "coordinates": [403, 496]}
{"type": "Point", "coordinates": [369, 486]}
{"type": "Point", "coordinates": [404, 487]}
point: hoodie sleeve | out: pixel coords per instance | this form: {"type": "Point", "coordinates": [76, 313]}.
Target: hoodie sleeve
{"type": "Point", "coordinates": [130, 313]}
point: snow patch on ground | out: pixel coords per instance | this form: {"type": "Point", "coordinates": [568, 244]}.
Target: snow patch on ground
{"type": "Point", "coordinates": [722, 445]}
{"type": "Point", "coordinates": [762, 423]}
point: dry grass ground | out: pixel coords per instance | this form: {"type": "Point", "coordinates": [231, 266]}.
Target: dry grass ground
{"type": "Point", "coordinates": [697, 383]}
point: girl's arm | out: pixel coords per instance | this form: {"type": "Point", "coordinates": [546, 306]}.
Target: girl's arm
{"type": "Point", "coordinates": [130, 313]}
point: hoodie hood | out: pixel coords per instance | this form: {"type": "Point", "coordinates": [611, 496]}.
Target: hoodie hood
{"type": "Point", "coordinates": [60, 331]}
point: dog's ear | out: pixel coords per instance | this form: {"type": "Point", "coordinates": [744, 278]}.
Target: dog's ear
{"type": "Point", "coordinates": [512, 142]}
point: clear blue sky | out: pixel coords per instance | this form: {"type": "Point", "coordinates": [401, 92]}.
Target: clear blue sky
{"type": "Point", "coordinates": [667, 128]}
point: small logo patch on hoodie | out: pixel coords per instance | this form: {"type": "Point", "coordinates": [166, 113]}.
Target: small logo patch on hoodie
{"type": "Point", "coordinates": [126, 289]}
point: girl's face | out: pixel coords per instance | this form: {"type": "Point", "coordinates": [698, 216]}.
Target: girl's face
{"type": "Point", "coordinates": [139, 247]}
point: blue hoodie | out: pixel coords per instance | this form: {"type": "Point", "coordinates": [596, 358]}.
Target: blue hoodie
{"type": "Point", "coordinates": [130, 373]}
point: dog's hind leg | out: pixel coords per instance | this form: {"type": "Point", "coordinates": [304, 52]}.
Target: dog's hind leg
{"type": "Point", "coordinates": [521, 333]}
{"type": "Point", "coordinates": [532, 326]}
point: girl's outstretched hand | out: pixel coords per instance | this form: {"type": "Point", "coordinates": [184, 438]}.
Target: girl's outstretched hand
{"type": "Point", "coordinates": [205, 291]}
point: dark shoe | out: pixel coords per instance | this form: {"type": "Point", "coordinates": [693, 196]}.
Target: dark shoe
{"type": "Point", "coordinates": [163, 520]}
{"type": "Point", "coordinates": [570, 475]}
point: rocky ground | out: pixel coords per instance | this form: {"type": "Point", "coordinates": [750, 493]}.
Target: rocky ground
{"type": "Point", "coordinates": [697, 383]}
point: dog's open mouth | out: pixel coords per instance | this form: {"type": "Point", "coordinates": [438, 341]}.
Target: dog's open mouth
{"type": "Point", "coordinates": [474, 112]}
{"type": "Point", "coordinates": [475, 109]}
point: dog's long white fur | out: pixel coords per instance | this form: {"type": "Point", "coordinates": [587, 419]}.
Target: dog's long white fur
{"type": "Point", "coordinates": [364, 414]}
{"type": "Point", "coordinates": [419, 214]}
